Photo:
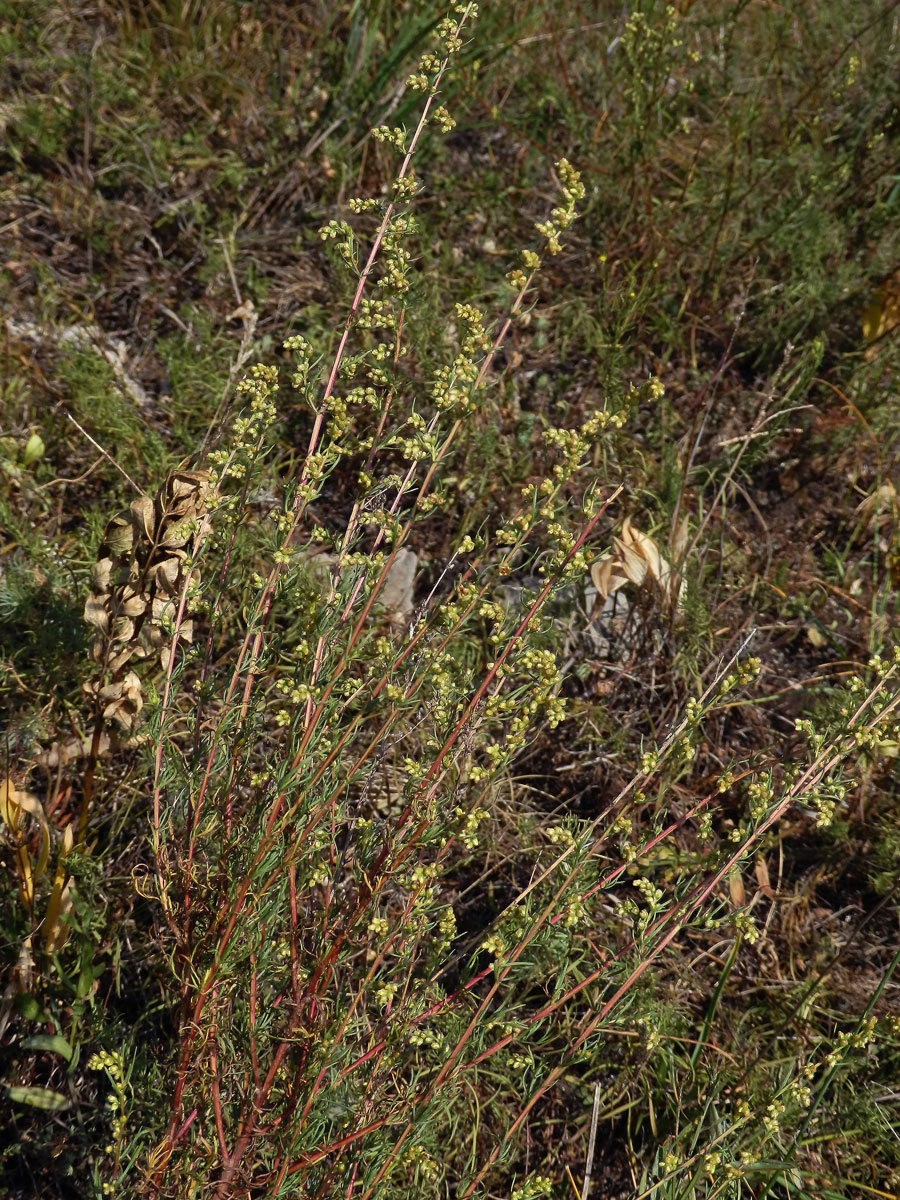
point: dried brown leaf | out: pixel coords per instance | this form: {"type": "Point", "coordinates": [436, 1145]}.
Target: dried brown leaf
{"type": "Point", "coordinates": [96, 613]}
{"type": "Point", "coordinates": [607, 576]}
{"type": "Point", "coordinates": [644, 546]}
{"type": "Point", "coordinates": [142, 514]}
{"type": "Point", "coordinates": [131, 603]}
{"type": "Point", "coordinates": [736, 888]}
{"type": "Point", "coordinates": [632, 562]}
{"type": "Point", "coordinates": [680, 540]}
{"type": "Point", "coordinates": [100, 573]}
{"type": "Point", "coordinates": [636, 559]}
{"type": "Point", "coordinates": [123, 700]}
{"type": "Point", "coordinates": [167, 575]}
{"type": "Point", "coordinates": [163, 609]}
{"type": "Point", "coordinates": [119, 537]}
{"type": "Point", "coordinates": [176, 535]}
{"type": "Point", "coordinates": [761, 870]}
{"type": "Point", "coordinates": [122, 629]}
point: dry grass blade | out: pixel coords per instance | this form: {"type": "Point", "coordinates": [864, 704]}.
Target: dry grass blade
{"type": "Point", "coordinates": [592, 1142]}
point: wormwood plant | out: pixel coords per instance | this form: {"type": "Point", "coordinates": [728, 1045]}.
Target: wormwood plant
{"type": "Point", "coordinates": [310, 932]}
{"type": "Point", "coordinates": [320, 779]}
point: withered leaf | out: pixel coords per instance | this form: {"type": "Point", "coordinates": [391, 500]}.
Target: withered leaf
{"type": "Point", "coordinates": [95, 612]}
{"type": "Point", "coordinates": [680, 540]}
{"type": "Point", "coordinates": [131, 603]}
{"type": "Point", "coordinates": [122, 629]}
{"type": "Point", "coordinates": [163, 609]}
{"type": "Point", "coordinates": [607, 576]}
{"type": "Point", "coordinates": [143, 517]}
{"type": "Point", "coordinates": [120, 657]}
{"type": "Point", "coordinates": [119, 537]}
{"type": "Point", "coordinates": [183, 483]}
{"type": "Point", "coordinates": [636, 559]}
{"type": "Point", "coordinates": [632, 560]}
{"type": "Point", "coordinates": [166, 575]}
{"type": "Point", "coordinates": [176, 535]}
{"type": "Point", "coordinates": [100, 573]}
{"type": "Point", "coordinates": [122, 700]}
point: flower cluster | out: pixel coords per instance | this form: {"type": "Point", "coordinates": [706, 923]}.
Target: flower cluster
{"type": "Point", "coordinates": [111, 1063]}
